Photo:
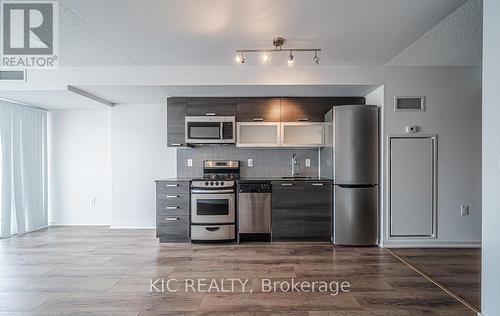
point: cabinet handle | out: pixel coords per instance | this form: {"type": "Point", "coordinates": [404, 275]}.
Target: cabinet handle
{"type": "Point", "coordinates": [317, 184]}
{"type": "Point", "coordinates": [258, 119]}
{"type": "Point", "coordinates": [286, 184]}
{"type": "Point", "coordinates": [212, 229]}
{"type": "Point", "coordinates": [172, 207]}
{"type": "Point", "coordinates": [172, 196]}
{"type": "Point", "coordinates": [171, 219]}
{"type": "Point", "coordinates": [210, 114]}
{"type": "Point", "coordinates": [172, 185]}
{"type": "Point", "coordinates": [305, 119]}
{"type": "Point", "coordinates": [175, 144]}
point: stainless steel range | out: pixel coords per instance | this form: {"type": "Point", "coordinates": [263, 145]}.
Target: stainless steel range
{"type": "Point", "coordinates": [213, 201]}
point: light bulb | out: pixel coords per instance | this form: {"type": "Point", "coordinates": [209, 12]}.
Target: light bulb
{"type": "Point", "coordinates": [291, 62]}
{"type": "Point", "coordinates": [316, 59]}
{"type": "Point", "coordinates": [264, 58]}
{"type": "Point", "coordinates": [240, 59]}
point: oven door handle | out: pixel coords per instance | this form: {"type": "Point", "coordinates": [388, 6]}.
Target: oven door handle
{"type": "Point", "coordinates": [211, 191]}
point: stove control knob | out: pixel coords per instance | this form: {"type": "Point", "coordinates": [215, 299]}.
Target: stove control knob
{"type": "Point", "coordinates": [222, 183]}
{"type": "Point", "coordinates": [206, 183]}
{"type": "Point", "coordinates": [217, 183]}
{"type": "Point", "coordinates": [211, 183]}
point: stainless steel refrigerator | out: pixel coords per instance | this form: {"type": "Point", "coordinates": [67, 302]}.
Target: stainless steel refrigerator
{"type": "Point", "coordinates": [350, 158]}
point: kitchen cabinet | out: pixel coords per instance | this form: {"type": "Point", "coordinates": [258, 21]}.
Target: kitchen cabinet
{"type": "Point", "coordinates": [297, 118]}
{"type": "Point", "coordinates": [303, 110]}
{"type": "Point", "coordinates": [172, 211]}
{"type": "Point", "coordinates": [176, 111]}
{"type": "Point", "coordinates": [275, 134]}
{"type": "Point", "coordinates": [317, 210]}
{"type": "Point", "coordinates": [301, 210]}
{"type": "Point", "coordinates": [312, 109]}
{"type": "Point", "coordinates": [286, 211]}
{"type": "Point", "coordinates": [211, 106]}
{"type": "Point", "coordinates": [258, 134]}
{"type": "Point", "coordinates": [258, 109]}
{"type": "Point", "coordinates": [302, 134]}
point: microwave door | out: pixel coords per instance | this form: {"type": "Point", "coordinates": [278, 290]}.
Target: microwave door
{"type": "Point", "coordinates": [203, 131]}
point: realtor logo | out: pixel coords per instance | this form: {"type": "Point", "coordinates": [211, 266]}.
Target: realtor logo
{"type": "Point", "coordinates": [29, 34]}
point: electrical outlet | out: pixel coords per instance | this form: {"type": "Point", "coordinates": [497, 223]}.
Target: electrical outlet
{"type": "Point", "coordinates": [190, 162]}
{"type": "Point", "coordinates": [250, 162]}
{"type": "Point", "coordinates": [464, 210]}
{"type": "Point", "coordinates": [308, 162]}
{"type": "Point", "coordinates": [92, 201]}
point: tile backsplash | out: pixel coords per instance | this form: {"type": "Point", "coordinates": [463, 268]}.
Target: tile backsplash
{"type": "Point", "coordinates": [266, 162]}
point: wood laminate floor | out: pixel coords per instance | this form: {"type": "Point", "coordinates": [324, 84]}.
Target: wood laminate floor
{"type": "Point", "coordinates": [97, 271]}
{"type": "Point", "coordinates": [457, 269]}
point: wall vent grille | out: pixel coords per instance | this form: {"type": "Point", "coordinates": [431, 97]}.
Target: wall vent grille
{"type": "Point", "coordinates": [409, 103]}
{"type": "Point", "coordinates": [9, 75]}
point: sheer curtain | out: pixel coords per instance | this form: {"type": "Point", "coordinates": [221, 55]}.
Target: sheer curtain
{"type": "Point", "coordinates": [23, 133]}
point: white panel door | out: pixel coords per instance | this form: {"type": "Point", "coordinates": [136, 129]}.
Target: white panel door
{"type": "Point", "coordinates": [412, 187]}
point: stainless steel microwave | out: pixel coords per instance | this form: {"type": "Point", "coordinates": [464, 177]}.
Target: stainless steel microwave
{"type": "Point", "coordinates": [210, 129]}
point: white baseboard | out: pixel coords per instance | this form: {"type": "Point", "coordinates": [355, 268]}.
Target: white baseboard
{"type": "Point", "coordinates": [430, 244]}
{"type": "Point", "coordinates": [111, 226]}
{"type": "Point", "coordinates": [79, 224]}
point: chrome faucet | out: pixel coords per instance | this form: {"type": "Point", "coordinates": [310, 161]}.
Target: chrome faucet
{"type": "Point", "coordinates": [295, 165]}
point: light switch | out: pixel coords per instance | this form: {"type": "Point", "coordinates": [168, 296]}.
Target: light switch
{"type": "Point", "coordinates": [308, 162]}
{"type": "Point", "coordinates": [250, 162]}
{"type": "Point", "coordinates": [190, 162]}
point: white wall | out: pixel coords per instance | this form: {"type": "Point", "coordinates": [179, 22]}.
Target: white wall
{"type": "Point", "coordinates": [453, 112]}
{"type": "Point", "coordinates": [490, 285]}
{"type": "Point", "coordinates": [79, 168]}
{"type": "Point", "coordinates": [139, 156]}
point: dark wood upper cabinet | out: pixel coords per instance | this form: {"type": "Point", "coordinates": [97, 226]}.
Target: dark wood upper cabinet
{"type": "Point", "coordinates": [312, 109]}
{"type": "Point", "coordinates": [211, 106]}
{"type": "Point", "coordinates": [258, 109]}
{"type": "Point", "coordinates": [176, 112]}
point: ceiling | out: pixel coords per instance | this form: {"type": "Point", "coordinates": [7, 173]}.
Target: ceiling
{"type": "Point", "coordinates": [207, 32]}
{"type": "Point", "coordinates": [52, 99]}
{"type": "Point", "coordinates": [456, 40]}
{"type": "Point", "coordinates": [57, 100]}
{"type": "Point", "coordinates": [138, 94]}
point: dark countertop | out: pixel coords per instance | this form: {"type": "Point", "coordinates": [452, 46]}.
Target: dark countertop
{"type": "Point", "coordinates": [256, 179]}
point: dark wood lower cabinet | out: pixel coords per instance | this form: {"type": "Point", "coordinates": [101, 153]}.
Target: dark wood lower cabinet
{"type": "Point", "coordinates": [172, 211]}
{"type": "Point", "coordinates": [302, 211]}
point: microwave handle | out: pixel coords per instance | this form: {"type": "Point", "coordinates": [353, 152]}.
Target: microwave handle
{"type": "Point", "coordinates": [227, 130]}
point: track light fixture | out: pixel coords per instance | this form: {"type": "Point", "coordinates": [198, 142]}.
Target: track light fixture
{"type": "Point", "coordinates": [239, 58]}
{"type": "Point", "coordinates": [291, 62]}
{"type": "Point", "coordinates": [277, 43]}
{"type": "Point", "coordinates": [316, 59]}
{"type": "Point", "coordinates": [264, 58]}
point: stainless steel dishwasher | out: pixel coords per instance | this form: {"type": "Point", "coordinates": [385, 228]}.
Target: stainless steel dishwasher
{"type": "Point", "coordinates": [254, 211]}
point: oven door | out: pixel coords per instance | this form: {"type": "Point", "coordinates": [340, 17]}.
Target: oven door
{"type": "Point", "coordinates": [212, 208]}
